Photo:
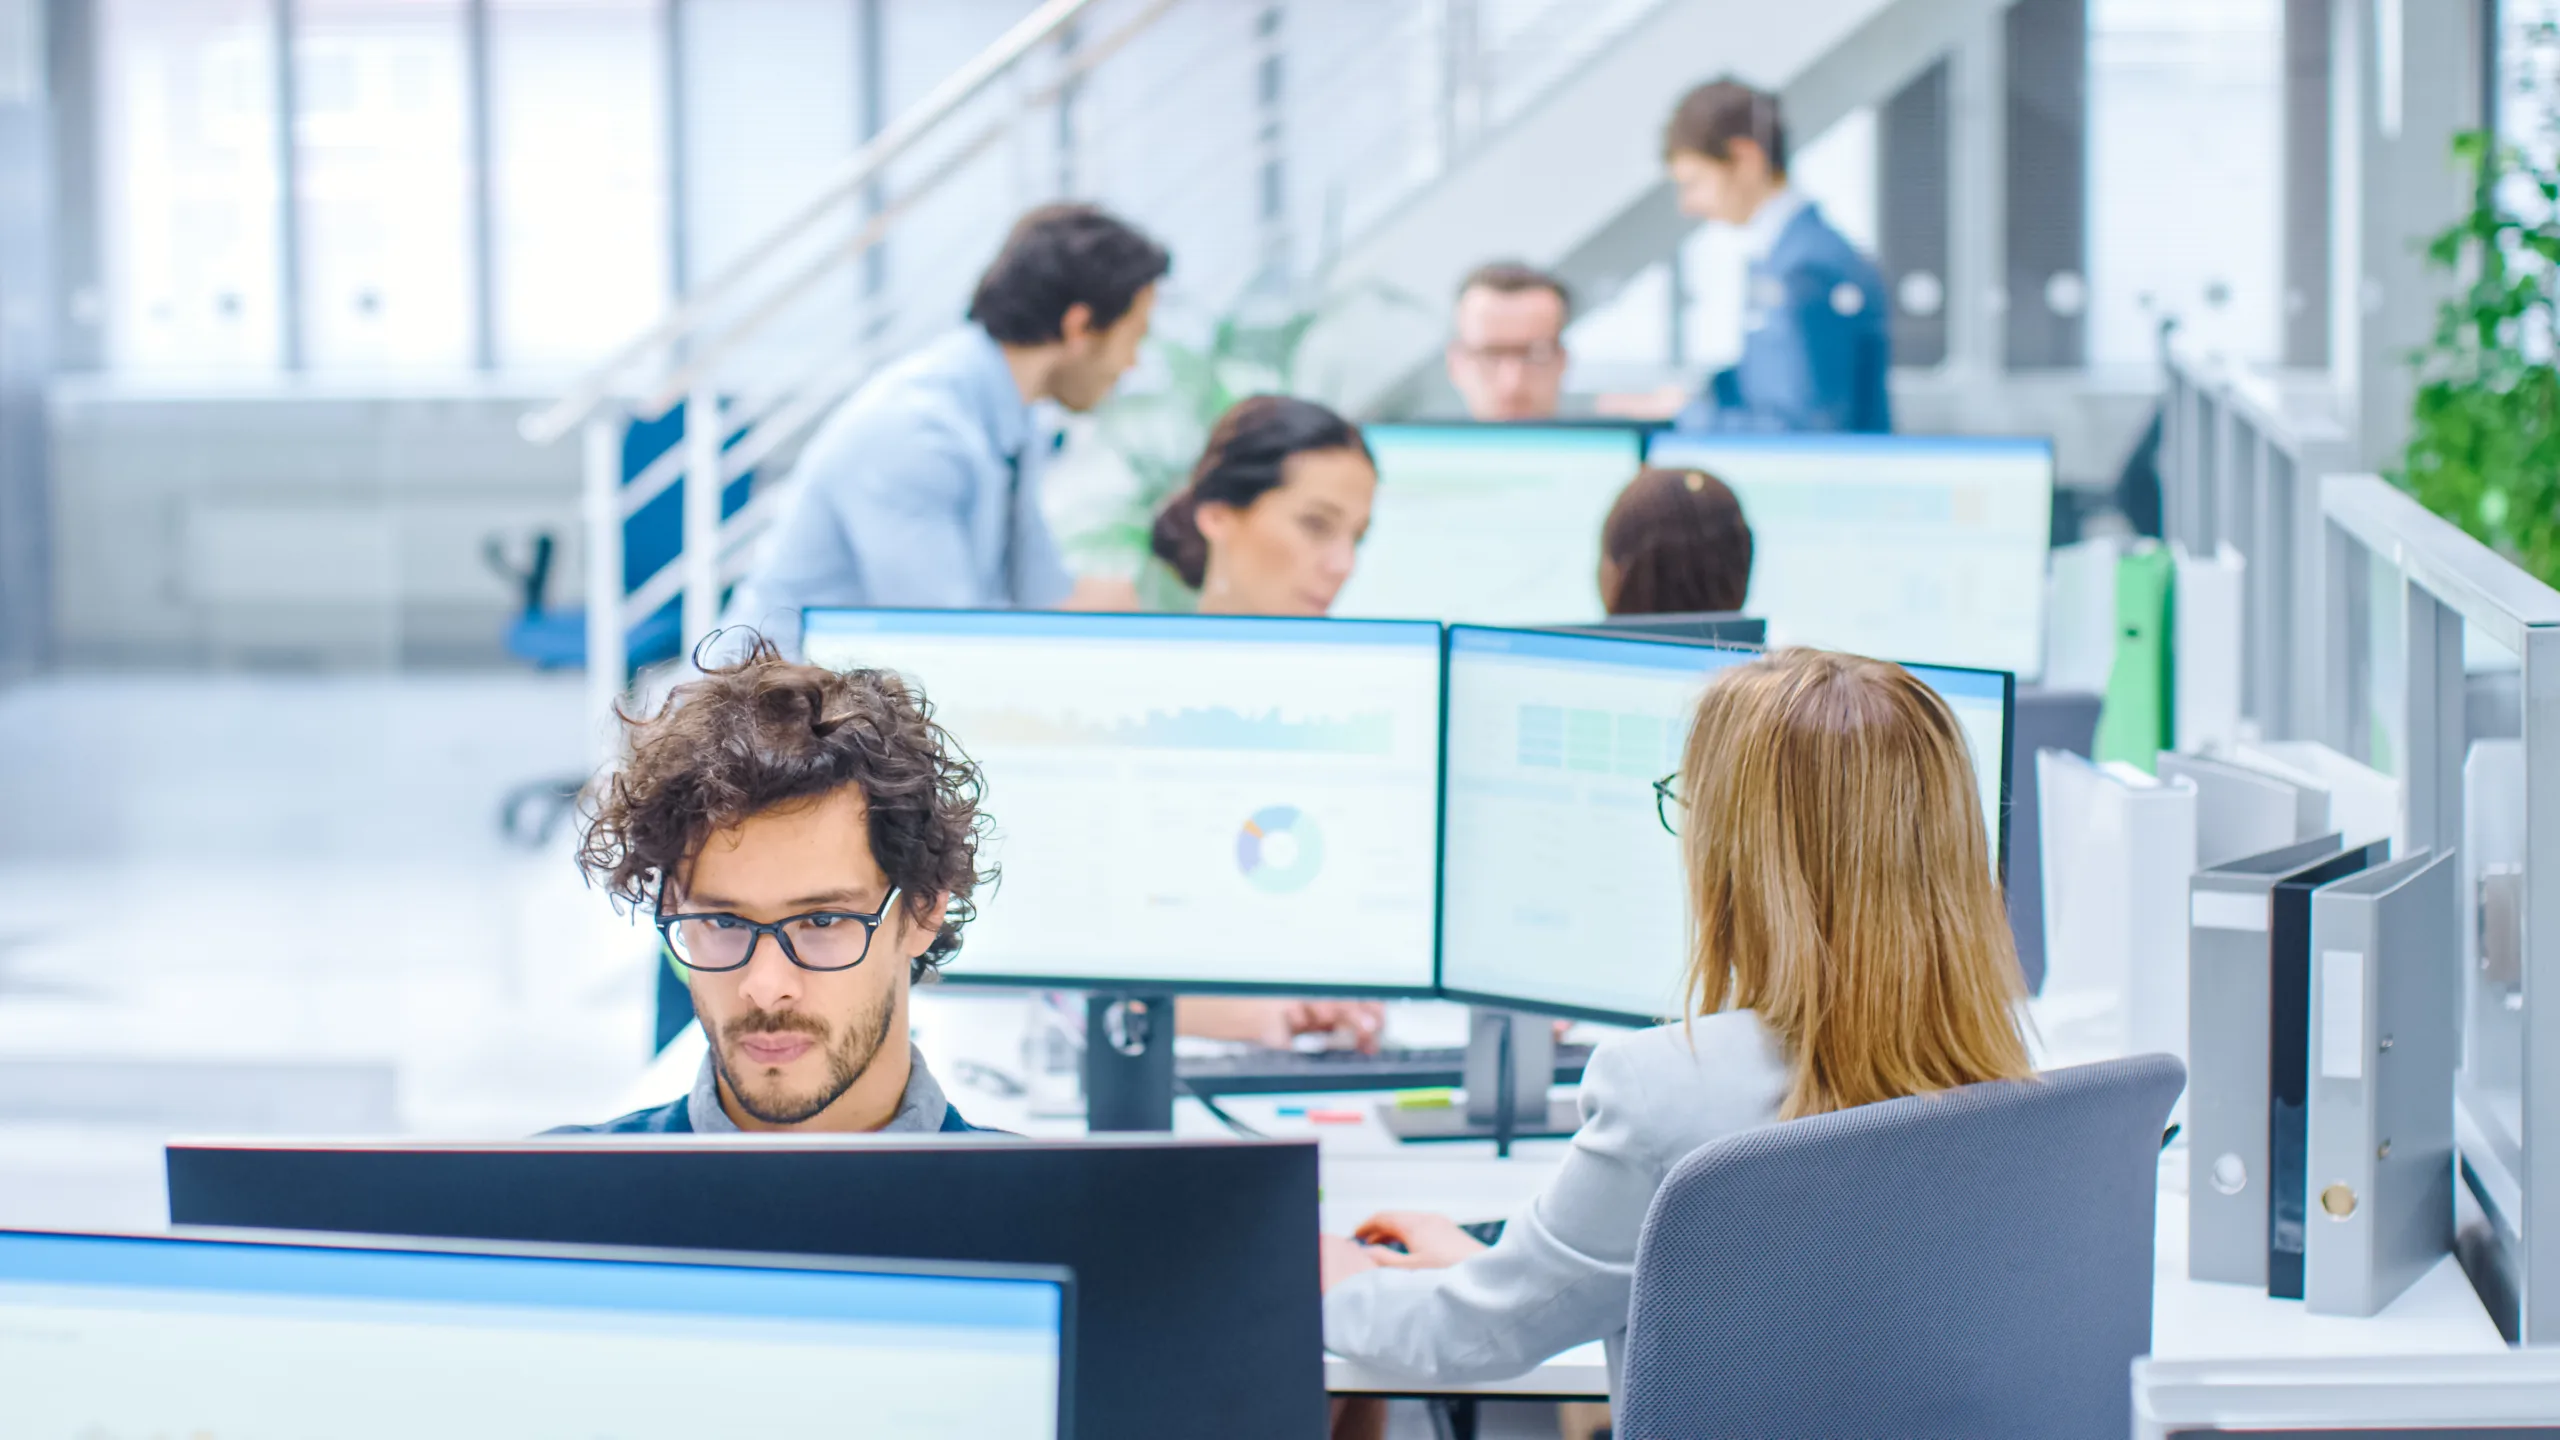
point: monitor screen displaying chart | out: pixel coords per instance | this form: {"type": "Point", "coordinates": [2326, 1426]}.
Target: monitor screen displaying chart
{"type": "Point", "coordinates": [1562, 889]}
{"type": "Point", "coordinates": [1185, 800]}
{"type": "Point", "coordinates": [1490, 524]}
{"type": "Point", "coordinates": [1891, 545]}
{"type": "Point", "coordinates": [108, 1336]}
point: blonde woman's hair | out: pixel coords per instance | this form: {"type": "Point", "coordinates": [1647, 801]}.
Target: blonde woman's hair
{"type": "Point", "coordinates": [1840, 881]}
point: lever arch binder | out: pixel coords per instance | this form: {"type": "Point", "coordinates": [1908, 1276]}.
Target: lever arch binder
{"type": "Point", "coordinates": [2289, 1058]}
{"type": "Point", "coordinates": [2385, 990]}
{"type": "Point", "coordinates": [2230, 914]}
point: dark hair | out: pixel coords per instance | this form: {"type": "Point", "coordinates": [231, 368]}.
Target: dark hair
{"type": "Point", "coordinates": [1679, 544]}
{"type": "Point", "coordinates": [764, 733]}
{"type": "Point", "coordinates": [1060, 256]}
{"type": "Point", "coordinates": [1512, 277]}
{"type": "Point", "coordinates": [1242, 462]}
{"type": "Point", "coordinates": [1710, 118]}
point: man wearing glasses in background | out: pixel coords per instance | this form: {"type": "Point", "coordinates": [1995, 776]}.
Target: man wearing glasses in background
{"type": "Point", "coordinates": [1506, 357]}
{"type": "Point", "coordinates": [807, 842]}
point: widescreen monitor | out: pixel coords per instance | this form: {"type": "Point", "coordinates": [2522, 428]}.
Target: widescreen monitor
{"type": "Point", "coordinates": [284, 1335]}
{"type": "Point", "coordinates": [1200, 802]}
{"type": "Point", "coordinates": [1561, 889]}
{"type": "Point", "coordinates": [1490, 524]}
{"type": "Point", "coordinates": [1892, 545]}
{"type": "Point", "coordinates": [1194, 1260]}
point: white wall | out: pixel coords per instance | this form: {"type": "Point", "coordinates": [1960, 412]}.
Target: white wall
{"type": "Point", "coordinates": [301, 530]}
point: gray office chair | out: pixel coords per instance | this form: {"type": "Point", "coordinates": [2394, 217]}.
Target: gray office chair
{"type": "Point", "coordinates": [1976, 1263]}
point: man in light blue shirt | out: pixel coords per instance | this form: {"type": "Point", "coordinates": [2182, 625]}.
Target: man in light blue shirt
{"type": "Point", "coordinates": [923, 488]}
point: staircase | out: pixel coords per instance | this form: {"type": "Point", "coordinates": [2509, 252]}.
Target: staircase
{"type": "Point", "coordinates": [1358, 154]}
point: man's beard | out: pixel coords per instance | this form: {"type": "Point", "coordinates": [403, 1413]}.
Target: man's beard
{"type": "Point", "coordinates": [847, 1058]}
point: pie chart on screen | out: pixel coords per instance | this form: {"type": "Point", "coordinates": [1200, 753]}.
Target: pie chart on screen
{"type": "Point", "coordinates": [1280, 849]}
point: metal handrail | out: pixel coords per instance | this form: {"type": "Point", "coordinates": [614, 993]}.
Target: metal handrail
{"type": "Point", "coordinates": [902, 135]}
{"type": "Point", "coordinates": [2484, 587]}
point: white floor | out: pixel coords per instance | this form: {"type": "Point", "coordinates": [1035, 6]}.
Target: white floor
{"type": "Point", "coordinates": [261, 905]}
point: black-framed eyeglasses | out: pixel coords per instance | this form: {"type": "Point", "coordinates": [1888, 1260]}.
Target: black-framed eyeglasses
{"type": "Point", "coordinates": [1668, 807]}
{"type": "Point", "coordinates": [820, 940]}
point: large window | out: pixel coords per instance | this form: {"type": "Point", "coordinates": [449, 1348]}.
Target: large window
{"type": "Point", "coordinates": [382, 145]}
{"type": "Point", "coordinates": [2186, 184]}
{"type": "Point", "coordinates": [188, 203]}
{"type": "Point", "coordinates": [403, 257]}
{"type": "Point", "coordinates": [578, 182]}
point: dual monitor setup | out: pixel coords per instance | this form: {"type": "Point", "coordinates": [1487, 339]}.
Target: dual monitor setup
{"type": "Point", "coordinates": [1400, 809]}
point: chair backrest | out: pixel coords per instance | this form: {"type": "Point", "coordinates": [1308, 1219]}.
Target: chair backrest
{"type": "Point", "coordinates": [1975, 1263]}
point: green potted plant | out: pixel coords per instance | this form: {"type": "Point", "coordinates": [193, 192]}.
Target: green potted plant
{"type": "Point", "coordinates": [2484, 443]}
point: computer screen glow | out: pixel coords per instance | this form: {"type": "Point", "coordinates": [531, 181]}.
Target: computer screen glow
{"type": "Point", "coordinates": [1562, 890]}
{"type": "Point", "coordinates": [1489, 524]}
{"type": "Point", "coordinates": [1891, 545]}
{"type": "Point", "coordinates": [1185, 800]}
{"type": "Point", "coordinates": [108, 1338]}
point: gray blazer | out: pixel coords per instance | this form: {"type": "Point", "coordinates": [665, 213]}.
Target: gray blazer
{"type": "Point", "coordinates": [1560, 1276]}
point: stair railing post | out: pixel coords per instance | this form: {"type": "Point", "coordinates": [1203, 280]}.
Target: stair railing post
{"type": "Point", "coordinates": [601, 504]}
{"type": "Point", "coordinates": [703, 483]}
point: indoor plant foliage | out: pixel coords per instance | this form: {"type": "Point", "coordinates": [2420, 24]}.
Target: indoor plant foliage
{"type": "Point", "coordinates": [2484, 444]}
{"type": "Point", "coordinates": [1158, 433]}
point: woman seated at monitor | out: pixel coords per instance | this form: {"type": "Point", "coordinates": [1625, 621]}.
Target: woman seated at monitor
{"type": "Point", "coordinates": [1849, 946]}
{"type": "Point", "coordinates": [1270, 524]}
{"type": "Point", "coordinates": [1675, 543]}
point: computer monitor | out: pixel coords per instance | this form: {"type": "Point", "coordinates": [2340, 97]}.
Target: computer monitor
{"type": "Point", "coordinates": [1721, 627]}
{"type": "Point", "coordinates": [1495, 524]}
{"type": "Point", "coordinates": [1561, 890]}
{"type": "Point", "coordinates": [1892, 545]}
{"type": "Point", "coordinates": [1185, 802]}
{"type": "Point", "coordinates": [105, 1335]}
{"type": "Point", "coordinates": [1194, 1260]}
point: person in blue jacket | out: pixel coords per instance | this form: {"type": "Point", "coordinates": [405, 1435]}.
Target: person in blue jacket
{"type": "Point", "coordinates": [1816, 344]}
{"type": "Point", "coordinates": [807, 842]}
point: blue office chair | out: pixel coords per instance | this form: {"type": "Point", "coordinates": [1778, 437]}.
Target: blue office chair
{"type": "Point", "coordinates": [1976, 1263]}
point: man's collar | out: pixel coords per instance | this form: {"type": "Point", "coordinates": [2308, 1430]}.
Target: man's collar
{"type": "Point", "coordinates": [1760, 233]}
{"type": "Point", "coordinates": [921, 1108]}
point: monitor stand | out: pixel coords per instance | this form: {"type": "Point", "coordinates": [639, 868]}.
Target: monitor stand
{"type": "Point", "coordinates": [1511, 1063]}
{"type": "Point", "coordinates": [1128, 1062]}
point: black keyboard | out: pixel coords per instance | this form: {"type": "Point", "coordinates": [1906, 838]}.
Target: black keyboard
{"type": "Point", "coordinates": [1282, 1072]}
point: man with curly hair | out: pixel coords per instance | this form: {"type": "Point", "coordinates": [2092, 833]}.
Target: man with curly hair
{"type": "Point", "coordinates": [807, 842]}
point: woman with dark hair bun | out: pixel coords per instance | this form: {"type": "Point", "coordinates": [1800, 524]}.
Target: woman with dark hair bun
{"type": "Point", "coordinates": [1269, 525]}
{"type": "Point", "coordinates": [1272, 518]}
{"type": "Point", "coordinates": [1675, 544]}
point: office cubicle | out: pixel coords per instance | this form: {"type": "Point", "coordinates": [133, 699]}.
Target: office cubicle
{"type": "Point", "coordinates": [2406, 595]}
{"type": "Point", "coordinates": [2242, 454]}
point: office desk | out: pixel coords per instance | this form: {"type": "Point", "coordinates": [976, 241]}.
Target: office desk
{"type": "Point", "coordinates": [1366, 1170]}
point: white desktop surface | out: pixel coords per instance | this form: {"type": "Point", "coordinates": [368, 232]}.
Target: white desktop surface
{"type": "Point", "coordinates": [1365, 1170]}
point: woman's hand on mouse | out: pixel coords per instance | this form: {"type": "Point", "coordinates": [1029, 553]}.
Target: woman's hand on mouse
{"type": "Point", "coordinates": [1431, 1242]}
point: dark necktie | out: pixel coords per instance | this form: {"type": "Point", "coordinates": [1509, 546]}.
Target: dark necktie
{"type": "Point", "coordinates": [1012, 502]}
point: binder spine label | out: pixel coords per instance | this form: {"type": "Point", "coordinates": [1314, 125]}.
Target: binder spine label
{"type": "Point", "coordinates": [2342, 1015]}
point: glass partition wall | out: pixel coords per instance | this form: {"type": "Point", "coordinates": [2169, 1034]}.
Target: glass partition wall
{"type": "Point", "coordinates": [2442, 668]}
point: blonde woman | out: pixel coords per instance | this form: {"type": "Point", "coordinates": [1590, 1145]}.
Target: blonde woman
{"type": "Point", "coordinates": [1849, 946]}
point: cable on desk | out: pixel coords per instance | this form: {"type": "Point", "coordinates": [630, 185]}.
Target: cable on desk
{"type": "Point", "coordinates": [1211, 1105]}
